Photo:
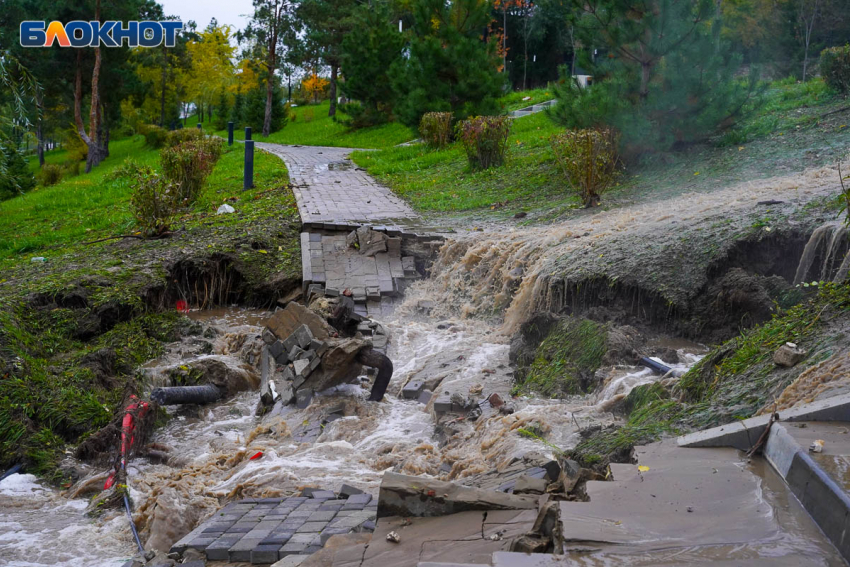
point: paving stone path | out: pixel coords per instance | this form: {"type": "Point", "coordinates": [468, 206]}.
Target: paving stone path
{"type": "Point", "coordinates": [265, 530]}
{"type": "Point", "coordinates": [331, 189]}
{"type": "Point", "coordinates": [334, 198]}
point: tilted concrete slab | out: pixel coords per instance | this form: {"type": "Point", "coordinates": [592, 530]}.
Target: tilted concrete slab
{"type": "Point", "coordinates": [405, 495]}
{"type": "Point", "coordinates": [745, 434]}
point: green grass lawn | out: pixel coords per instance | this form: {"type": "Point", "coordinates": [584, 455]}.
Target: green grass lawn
{"type": "Point", "coordinates": [441, 180]}
{"type": "Point", "coordinates": [313, 127]}
{"type": "Point", "coordinates": [513, 100]}
{"type": "Point", "coordinates": [87, 207]}
{"type": "Point", "coordinates": [787, 133]}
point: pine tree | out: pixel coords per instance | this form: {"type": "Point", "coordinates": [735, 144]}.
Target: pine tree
{"type": "Point", "coordinates": [662, 76]}
{"type": "Point", "coordinates": [449, 67]}
{"type": "Point", "coordinates": [237, 111]}
{"type": "Point", "coordinates": [222, 112]}
{"type": "Point", "coordinates": [368, 52]}
{"type": "Point", "coordinates": [255, 110]}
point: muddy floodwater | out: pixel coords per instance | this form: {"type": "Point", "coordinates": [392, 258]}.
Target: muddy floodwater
{"type": "Point", "coordinates": [209, 448]}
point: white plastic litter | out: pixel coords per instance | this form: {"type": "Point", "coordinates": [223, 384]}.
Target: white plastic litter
{"type": "Point", "coordinates": [225, 208]}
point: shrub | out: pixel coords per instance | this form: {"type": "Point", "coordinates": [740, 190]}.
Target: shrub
{"type": "Point", "coordinates": [15, 176]}
{"type": "Point", "coordinates": [308, 114]}
{"type": "Point", "coordinates": [154, 200]}
{"type": "Point", "coordinates": [155, 137]}
{"type": "Point", "coordinates": [835, 68]}
{"type": "Point", "coordinates": [71, 168]}
{"type": "Point", "coordinates": [77, 148]}
{"type": "Point", "coordinates": [588, 159]}
{"type": "Point", "coordinates": [485, 139]}
{"type": "Point", "coordinates": [177, 137]}
{"type": "Point", "coordinates": [187, 165]}
{"type": "Point", "coordinates": [436, 128]}
{"type": "Point", "coordinates": [50, 174]}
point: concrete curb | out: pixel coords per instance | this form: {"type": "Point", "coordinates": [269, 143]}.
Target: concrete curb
{"type": "Point", "coordinates": [743, 435]}
{"type": "Point", "coordinates": [824, 500]}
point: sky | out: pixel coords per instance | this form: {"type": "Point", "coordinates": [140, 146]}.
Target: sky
{"type": "Point", "coordinates": [233, 12]}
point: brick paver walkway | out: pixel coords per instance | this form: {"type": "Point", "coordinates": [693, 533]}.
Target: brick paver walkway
{"type": "Point", "coordinates": [330, 188]}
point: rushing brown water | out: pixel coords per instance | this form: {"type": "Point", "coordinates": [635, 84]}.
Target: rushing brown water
{"type": "Point", "coordinates": [209, 448]}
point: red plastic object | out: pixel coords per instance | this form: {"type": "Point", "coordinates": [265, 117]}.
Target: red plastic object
{"type": "Point", "coordinates": [182, 306]}
{"type": "Point", "coordinates": [128, 428]}
{"type": "Point", "coordinates": [256, 456]}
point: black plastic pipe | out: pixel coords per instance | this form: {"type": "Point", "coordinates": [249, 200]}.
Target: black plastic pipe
{"type": "Point", "coordinates": [185, 395]}
{"type": "Point", "coordinates": [375, 359]}
{"type": "Point", "coordinates": [655, 366]}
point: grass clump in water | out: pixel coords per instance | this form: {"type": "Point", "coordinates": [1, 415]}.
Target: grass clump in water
{"type": "Point", "coordinates": [566, 360]}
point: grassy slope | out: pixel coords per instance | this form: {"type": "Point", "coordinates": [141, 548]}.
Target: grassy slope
{"type": "Point", "coordinates": [734, 381]}
{"type": "Point", "coordinates": [313, 127]}
{"type": "Point", "coordinates": [48, 397]}
{"type": "Point", "coordinates": [786, 133]}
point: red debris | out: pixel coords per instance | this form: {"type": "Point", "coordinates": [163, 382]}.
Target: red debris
{"type": "Point", "coordinates": [256, 456]}
{"type": "Point", "coordinates": [182, 306]}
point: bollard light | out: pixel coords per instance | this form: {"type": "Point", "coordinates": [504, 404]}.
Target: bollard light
{"type": "Point", "coordinates": [248, 180]}
{"type": "Point", "coordinates": [247, 133]}
{"type": "Point", "coordinates": [230, 133]}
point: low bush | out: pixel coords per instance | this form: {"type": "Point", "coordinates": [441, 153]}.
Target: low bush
{"type": "Point", "coordinates": [308, 114]}
{"type": "Point", "coordinates": [436, 129]}
{"type": "Point", "coordinates": [188, 164]}
{"type": "Point", "coordinates": [154, 200]}
{"type": "Point", "coordinates": [155, 137]}
{"type": "Point", "coordinates": [70, 168]}
{"type": "Point", "coordinates": [50, 174]}
{"type": "Point", "coordinates": [835, 68]}
{"type": "Point", "coordinates": [589, 161]}
{"type": "Point", "coordinates": [177, 137]}
{"type": "Point", "coordinates": [485, 139]}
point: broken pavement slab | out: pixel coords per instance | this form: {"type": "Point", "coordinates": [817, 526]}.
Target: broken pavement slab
{"type": "Point", "coordinates": [402, 495]}
{"type": "Point", "coordinates": [465, 537]}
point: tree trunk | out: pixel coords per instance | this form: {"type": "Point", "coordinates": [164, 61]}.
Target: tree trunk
{"type": "Point", "coordinates": [332, 92]}
{"type": "Point", "coordinates": [645, 72]}
{"type": "Point", "coordinates": [504, 38]}
{"type": "Point", "coordinates": [272, 62]}
{"type": "Point", "coordinates": [525, 50]}
{"type": "Point", "coordinates": [162, 87]}
{"type": "Point", "coordinates": [39, 130]}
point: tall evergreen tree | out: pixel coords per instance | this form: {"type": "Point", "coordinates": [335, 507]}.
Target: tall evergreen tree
{"type": "Point", "coordinates": [450, 67]}
{"type": "Point", "coordinates": [368, 52]}
{"type": "Point", "coordinates": [662, 75]}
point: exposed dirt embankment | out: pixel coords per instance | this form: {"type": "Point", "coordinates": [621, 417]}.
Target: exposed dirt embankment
{"type": "Point", "coordinates": [73, 330]}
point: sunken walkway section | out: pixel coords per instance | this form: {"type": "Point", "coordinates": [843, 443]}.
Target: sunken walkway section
{"type": "Point", "coordinates": [357, 234]}
{"type": "Point", "coordinates": [265, 530]}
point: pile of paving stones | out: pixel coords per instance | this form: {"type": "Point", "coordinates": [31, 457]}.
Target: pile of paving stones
{"type": "Point", "coordinates": [298, 355]}
{"type": "Point", "coordinates": [265, 530]}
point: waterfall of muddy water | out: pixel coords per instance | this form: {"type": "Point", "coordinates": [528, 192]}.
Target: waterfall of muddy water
{"type": "Point", "coordinates": [209, 447]}
{"type": "Point", "coordinates": [485, 274]}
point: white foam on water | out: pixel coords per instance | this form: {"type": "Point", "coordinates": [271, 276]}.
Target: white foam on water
{"type": "Point", "coordinates": [19, 484]}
